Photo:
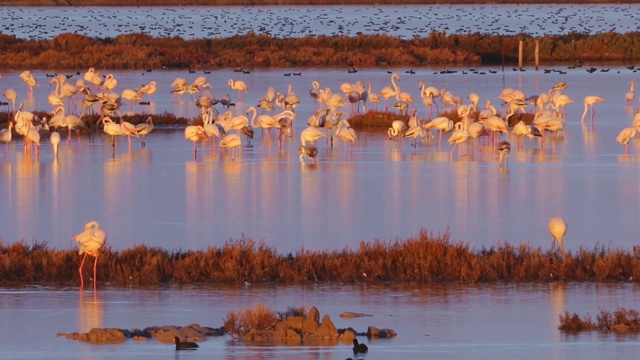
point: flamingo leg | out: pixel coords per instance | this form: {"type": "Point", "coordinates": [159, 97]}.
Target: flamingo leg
{"type": "Point", "coordinates": [95, 272]}
{"type": "Point", "coordinates": [80, 270]}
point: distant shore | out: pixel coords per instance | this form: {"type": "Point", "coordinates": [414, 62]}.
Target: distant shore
{"type": "Point", "coordinates": [284, 2]}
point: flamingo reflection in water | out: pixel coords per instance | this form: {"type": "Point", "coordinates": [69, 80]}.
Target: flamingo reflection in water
{"type": "Point", "coordinates": [90, 241]}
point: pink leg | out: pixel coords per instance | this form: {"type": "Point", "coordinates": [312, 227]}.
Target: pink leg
{"type": "Point", "coordinates": [80, 270]}
{"type": "Point", "coordinates": [95, 272]}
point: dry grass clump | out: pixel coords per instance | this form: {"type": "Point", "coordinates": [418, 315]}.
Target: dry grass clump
{"type": "Point", "coordinates": [375, 119]}
{"type": "Point", "coordinates": [424, 258]}
{"type": "Point", "coordinates": [621, 320]}
{"type": "Point", "coordinates": [239, 323]}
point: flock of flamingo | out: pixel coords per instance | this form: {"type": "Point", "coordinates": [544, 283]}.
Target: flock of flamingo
{"type": "Point", "coordinates": [225, 128]}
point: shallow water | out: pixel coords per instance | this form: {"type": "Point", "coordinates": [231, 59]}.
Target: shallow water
{"type": "Point", "coordinates": [438, 321]}
{"type": "Point", "coordinates": [404, 21]}
{"type": "Point", "coordinates": [161, 196]}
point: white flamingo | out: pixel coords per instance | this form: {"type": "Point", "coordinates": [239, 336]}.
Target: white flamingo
{"type": "Point", "coordinates": [90, 242]}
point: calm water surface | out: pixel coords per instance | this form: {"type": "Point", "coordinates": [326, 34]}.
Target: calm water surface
{"type": "Point", "coordinates": [161, 196]}
{"type": "Point", "coordinates": [436, 322]}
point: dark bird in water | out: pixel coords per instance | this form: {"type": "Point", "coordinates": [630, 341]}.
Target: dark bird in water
{"type": "Point", "coordinates": [184, 345]}
{"type": "Point", "coordinates": [359, 348]}
{"type": "Point", "coordinates": [504, 148]}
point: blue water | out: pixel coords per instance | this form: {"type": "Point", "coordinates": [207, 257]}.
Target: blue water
{"type": "Point", "coordinates": [161, 196]}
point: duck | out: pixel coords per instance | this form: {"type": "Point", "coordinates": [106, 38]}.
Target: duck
{"type": "Point", "coordinates": [184, 345]}
{"type": "Point", "coordinates": [359, 348]}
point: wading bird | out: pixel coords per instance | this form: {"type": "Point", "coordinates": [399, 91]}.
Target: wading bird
{"type": "Point", "coordinates": [504, 148]}
{"type": "Point", "coordinates": [90, 241]}
{"type": "Point", "coordinates": [557, 228]}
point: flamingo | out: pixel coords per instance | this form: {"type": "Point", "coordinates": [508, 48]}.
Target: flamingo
{"type": "Point", "coordinates": [143, 129]}
{"type": "Point", "coordinates": [93, 77]}
{"type": "Point", "coordinates": [240, 86]}
{"type": "Point", "coordinates": [31, 81]}
{"type": "Point", "coordinates": [212, 129]}
{"type": "Point", "coordinates": [630, 95]}
{"type": "Point", "coordinates": [5, 136]}
{"type": "Point", "coordinates": [387, 92]}
{"type": "Point", "coordinates": [315, 93]}
{"type": "Point", "coordinates": [309, 152]}
{"type": "Point", "coordinates": [372, 97]}
{"type": "Point", "coordinates": [291, 100]}
{"type": "Point", "coordinates": [11, 96]}
{"type": "Point", "coordinates": [310, 134]}
{"type": "Point", "coordinates": [112, 128]}
{"type": "Point", "coordinates": [265, 121]}
{"type": "Point", "coordinates": [148, 89]}
{"type": "Point", "coordinates": [557, 227]}
{"type": "Point", "coordinates": [55, 142]}
{"type": "Point", "coordinates": [231, 141]}
{"type": "Point", "coordinates": [131, 96]}
{"type": "Point", "coordinates": [590, 101]}
{"type": "Point", "coordinates": [625, 135]}
{"type": "Point", "coordinates": [440, 123]}
{"type": "Point", "coordinates": [90, 241]}
{"type": "Point", "coordinates": [414, 132]}
{"type": "Point", "coordinates": [397, 127]}
{"type": "Point", "coordinates": [33, 137]}
{"type": "Point", "coordinates": [110, 83]}
{"type": "Point", "coordinates": [504, 148]}
{"type": "Point", "coordinates": [458, 136]}
{"type": "Point", "coordinates": [194, 133]}
{"type": "Point", "coordinates": [346, 133]}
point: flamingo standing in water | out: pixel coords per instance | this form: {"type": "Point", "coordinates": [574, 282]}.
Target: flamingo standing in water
{"type": "Point", "coordinates": [625, 135]}
{"type": "Point", "coordinates": [55, 142]}
{"type": "Point", "coordinates": [387, 92]}
{"type": "Point", "coordinates": [144, 128]}
{"type": "Point", "coordinates": [5, 136]}
{"type": "Point", "coordinates": [458, 136]}
{"type": "Point", "coordinates": [90, 241]}
{"type": "Point", "coordinates": [240, 86]}
{"type": "Point", "coordinates": [630, 95]}
{"type": "Point", "coordinates": [590, 101]}
{"type": "Point", "coordinates": [504, 148]}
{"type": "Point", "coordinates": [31, 81]}
{"type": "Point", "coordinates": [194, 133]}
{"type": "Point", "coordinates": [557, 227]}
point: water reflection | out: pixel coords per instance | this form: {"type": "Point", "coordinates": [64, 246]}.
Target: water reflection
{"type": "Point", "coordinates": [91, 314]}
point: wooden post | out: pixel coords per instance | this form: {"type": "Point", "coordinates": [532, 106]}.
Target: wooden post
{"type": "Point", "coordinates": [537, 54]}
{"type": "Point", "coordinates": [520, 47]}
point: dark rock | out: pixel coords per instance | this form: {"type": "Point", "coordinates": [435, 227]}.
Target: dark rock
{"type": "Point", "coordinates": [373, 331]}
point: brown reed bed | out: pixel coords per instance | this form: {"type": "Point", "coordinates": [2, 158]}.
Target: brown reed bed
{"type": "Point", "coordinates": [140, 51]}
{"type": "Point", "coordinates": [424, 258]}
{"type": "Point", "coordinates": [620, 320]}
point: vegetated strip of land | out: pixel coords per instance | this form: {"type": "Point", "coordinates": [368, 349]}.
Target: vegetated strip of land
{"type": "Point", "coordinates": [283, 2]}
{"type": "Point", "coordinates": [141, 51]}
{"type": "Point", "coordinates": [425, 258]}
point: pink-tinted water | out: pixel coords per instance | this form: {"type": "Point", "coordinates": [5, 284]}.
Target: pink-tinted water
{"type": "Point", "coordinates": [436, 322]}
